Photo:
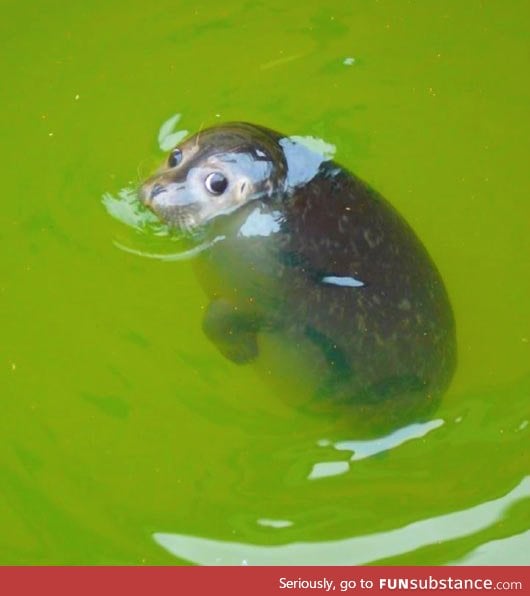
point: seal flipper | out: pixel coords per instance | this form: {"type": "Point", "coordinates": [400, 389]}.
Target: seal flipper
{"type": "Point", "coordinates": [233, 332]}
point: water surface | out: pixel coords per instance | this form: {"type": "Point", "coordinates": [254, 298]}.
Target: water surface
{"type": "Point", "coordinates": [125, 437]}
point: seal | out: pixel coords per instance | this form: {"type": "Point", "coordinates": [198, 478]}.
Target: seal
{"type": "Point", "coordinates": [300, 250]}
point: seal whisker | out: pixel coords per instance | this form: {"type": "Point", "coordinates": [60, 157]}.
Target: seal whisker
{"type": "Point", "coordinates": [139, 172]}
{"type": "Point", "coordinates": [199, 134]}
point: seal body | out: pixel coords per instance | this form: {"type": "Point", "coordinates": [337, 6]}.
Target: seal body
{"type": "Point", "coordinates": [302, 251]}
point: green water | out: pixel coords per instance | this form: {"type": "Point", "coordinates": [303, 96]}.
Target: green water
{"type": "Point", "coordinates": [125, 437]}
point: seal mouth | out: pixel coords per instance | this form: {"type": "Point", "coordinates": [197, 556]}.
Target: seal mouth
{"type": "Point", "coordinates": [185, 221]}
{"type": "Point", "coordinates": [182, 219]}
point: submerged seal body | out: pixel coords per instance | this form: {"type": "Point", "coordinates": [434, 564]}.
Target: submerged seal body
{"type": "Point", "coordinates": [300, 249]}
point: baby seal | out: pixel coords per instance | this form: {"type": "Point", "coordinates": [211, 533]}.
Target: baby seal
{"type": "Point", "coordinates": [302, 250]}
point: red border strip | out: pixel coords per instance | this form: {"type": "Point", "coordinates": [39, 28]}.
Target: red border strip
{"type": "Point", "coordinates": [257, 581]}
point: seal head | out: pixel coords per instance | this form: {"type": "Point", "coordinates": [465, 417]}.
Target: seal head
{"type": "Point", "coordinates": [214, 173]}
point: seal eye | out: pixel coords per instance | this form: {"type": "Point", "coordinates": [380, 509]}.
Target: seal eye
{"type": "Point", "coordinates": [216, 183]}
{"type": "Point", "coordinates": [175, 157]}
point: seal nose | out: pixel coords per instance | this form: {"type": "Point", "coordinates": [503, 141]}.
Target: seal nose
{"type": "Point", "coordinates": [156, 190]}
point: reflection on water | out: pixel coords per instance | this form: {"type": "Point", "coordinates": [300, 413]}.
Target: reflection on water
{"type": "Point", "coordinates": [168, 137]}
{"type": "Point", "coordinates": [125, 207]}
{"type": "Point", "coordinates": [508, 551]}
{"type": "Point", "coordinates": [359, 550]}
{"type": "Point", "coordinates": [368, 448]}
{"type": "Point", "coordinates": [363, 449]}
{"type": "Point", "coordinates": [274, 523]}
{"type": "Point", "coordinates": [182, 255]}
{"type": "Point", "coordinates": [328, 468]}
